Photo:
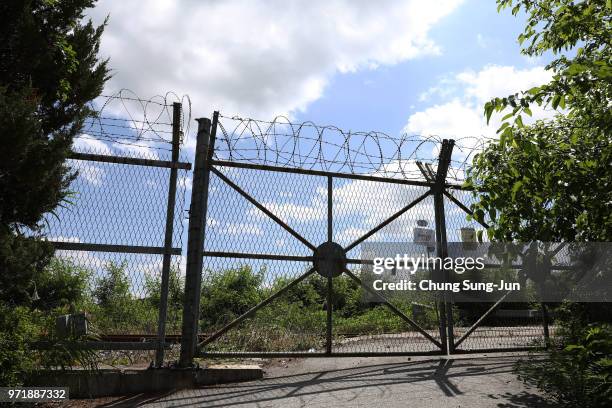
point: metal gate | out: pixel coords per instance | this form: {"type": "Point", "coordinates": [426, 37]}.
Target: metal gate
{"type": "Point", "coordinates": [305, 243]}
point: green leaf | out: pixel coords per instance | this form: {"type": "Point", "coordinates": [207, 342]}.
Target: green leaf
{"type": "Point", "coordinates": [488, 110]}
{"type": "Point", "coordinates": [516, 187]}
{"type": "Point", "coordinates": [534, 91]}
{"type": "Point", "coordinates": [519, 121]}
{"type": "Point", "coordinates": [492, 213]}
{"type": "Point", "coordinates": [605, 362]}
{"type": "Point", "coordinates": [572, 347]}
{"type": "Point", "coordinates": [502, 127]}
{"type": "Point", "coordinates": [555, 101]}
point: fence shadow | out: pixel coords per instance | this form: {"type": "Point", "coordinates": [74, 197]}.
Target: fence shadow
{"type": "Point", "coordinates": [419, 382]}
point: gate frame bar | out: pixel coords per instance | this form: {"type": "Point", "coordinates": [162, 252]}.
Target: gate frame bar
{"type": "Point", "coordinates": [438, 188]}
{"type": "Point", "coordinates": [165, 278]}
{"type": "Point", "coordinates": [195, 244]}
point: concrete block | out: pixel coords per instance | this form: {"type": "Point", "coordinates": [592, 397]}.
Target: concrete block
{"type": "Point", "coordinates": [112, 382]}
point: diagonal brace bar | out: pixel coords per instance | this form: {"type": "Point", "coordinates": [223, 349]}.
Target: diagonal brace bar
{"type": "Point", "coordinates": [262, 208]}
{"type": "Point", "coordinates": [387, 221]}
{"type": "Point", "coordinates": [255, 308]}
{"type": "Point", "coordinates": [464, 208]}
{"type": "Point", "coordinates": [394, 309]}
{"type": "Point", "coordinates": [426, 172]}
{"type": "Point", "coordinates": [481, 319]}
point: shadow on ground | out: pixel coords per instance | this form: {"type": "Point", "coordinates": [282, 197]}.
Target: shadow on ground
{"type": "Point", "coordinates": [483, 382]}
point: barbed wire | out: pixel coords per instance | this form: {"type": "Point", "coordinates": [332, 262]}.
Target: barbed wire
{"type": "Point", "coordinates": [123, 118]}
{"type": "Point", "coordinates": [308, 146]}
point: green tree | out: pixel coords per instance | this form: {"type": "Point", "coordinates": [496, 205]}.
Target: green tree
{"type": "Point", "coordinates": [552, 181]}
{"type": "Point", "coordinates": [113, 289]}
{"type": "Point", "coordinates": [229, 294]}
{"type": "Point", "coordinates": [176, 285]}
{"type": "Point", "coordinates": [63, 284]}
{"type": "Point", "coordinates": [49, 71]}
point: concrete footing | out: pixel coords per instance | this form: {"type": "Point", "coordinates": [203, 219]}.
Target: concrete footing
{"type": "Point", "coordinates": [112, 382]}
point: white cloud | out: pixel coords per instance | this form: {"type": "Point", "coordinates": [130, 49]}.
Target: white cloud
{"type": "Point", "coordinates": [88, 144]}
{"type": "Point", "coordinates": [496, 80]}
{"type": "Point", "coordinates": [232, 228]}
{"type": "Point", "coordinates": [287, 211]}
{"type": "Point", "coordinates": [454, 118]}
{"type": "Point", "coordinates": [185, 182]}
{"type": "Point", "coordinates": [91, 173]}
{"type": "Point", "coordinates": [358, 206]}
{"type": "Point", "coordinates": [85, 259]}
{"type": "Point", "coordinates": [256, 57]}
{"type": "Point", "coordinates": [138, 149]}
{"type": "Point", "coordinates": [460, 112]}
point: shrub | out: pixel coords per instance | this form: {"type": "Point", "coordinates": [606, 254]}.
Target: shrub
{"type": "Point", "coordinates": [229, 294]}
{"type": "Point", "coordinates": [61, 286]}
{"type": "Point", "coordinates": [176, 288]}
{"type": "Point", "coordinates": [62, 283]}
{"type": "Point", "coordinates": [377, 320]}
{"type": "Point", "coordinates": [312, 293]}
{"type": "Point", "coordinates": [116, 309]}
{"type": "Point", "coordinates": [17, 330]}
{"type": "Point", "coordinates": [578, 374]}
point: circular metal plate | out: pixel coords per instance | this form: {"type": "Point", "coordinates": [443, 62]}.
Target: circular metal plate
{"type": "Point", "coordinates": [330, 259]}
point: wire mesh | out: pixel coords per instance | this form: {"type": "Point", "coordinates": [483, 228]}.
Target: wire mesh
{"type": "Point", "coordinates": [124, 205]}
{"type": "Point", "coordinates": [236, 225]}
{"type": "Point", "coordinates": [230, 287]}
{"type": "Point", "coordinates": [273, 163]}
{"type": "Point", "coordinates": [512, 324]}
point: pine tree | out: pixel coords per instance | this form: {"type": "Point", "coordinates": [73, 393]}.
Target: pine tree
{"type": "Point", "coordinates": [49, 72]}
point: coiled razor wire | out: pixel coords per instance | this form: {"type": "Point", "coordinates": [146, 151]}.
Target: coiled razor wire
{"type": "Point", "coordinates": [124, 119]}
{"type": "Point", "coordinates": [308, 146]}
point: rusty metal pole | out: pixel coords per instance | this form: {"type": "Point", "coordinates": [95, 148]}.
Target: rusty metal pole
{"type": "Point", "coordinates": [450, 323]}
{"type": "Point", "coordinates": [195, 243]}
{"type": "Point", "coordinates": [330, 279]}
{"type": "Point", "coordinates": [545, 325]}
{"type": "Point", "coordinates": [445, 307]}
{"type": "Point", "coordinates": [165, 278]}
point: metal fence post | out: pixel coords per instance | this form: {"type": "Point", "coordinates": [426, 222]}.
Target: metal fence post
{"type": "Point", "coordinates": [165, 278]}
{"type": "Point", "coordinates": [545, 325]}
{"type": "Point", "coordinates": [330, 279]}
{"type": "Point", "coordinates": [446, 311]}
{"type": "Point", "coordinates": [195, 242]}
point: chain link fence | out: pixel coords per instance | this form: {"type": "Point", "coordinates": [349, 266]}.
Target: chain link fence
{"type": "Point", "coordinates": [278, 191]}
{"type": "Point", "coordinates": [122, 227]}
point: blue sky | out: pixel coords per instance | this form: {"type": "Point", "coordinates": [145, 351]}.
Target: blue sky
{"type": "Point", "coordinates": [416, 67]}
{"type": "Point", "coordinates": [354, 64]}
{"type": "Point", "coordinates": [473, 36]}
